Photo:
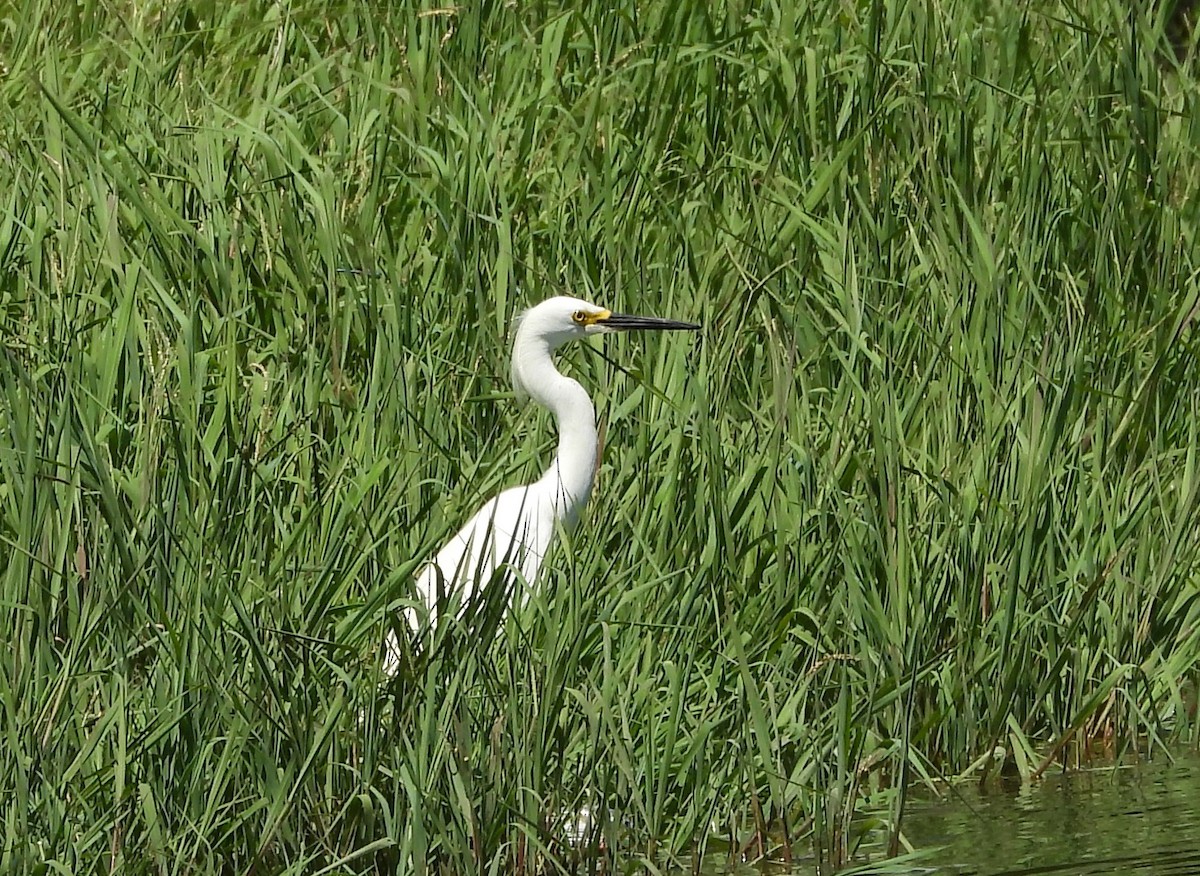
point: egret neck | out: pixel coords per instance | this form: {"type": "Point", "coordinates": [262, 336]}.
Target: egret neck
{"type": "Point", "coordinates": [568, 480]}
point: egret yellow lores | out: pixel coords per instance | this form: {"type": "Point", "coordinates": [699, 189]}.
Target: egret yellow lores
{"type": "Point", "coordinates": [514, 529]}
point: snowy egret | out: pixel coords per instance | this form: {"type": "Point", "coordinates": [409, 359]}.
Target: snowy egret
{"type": "Point", "coordinates": [515, 528]}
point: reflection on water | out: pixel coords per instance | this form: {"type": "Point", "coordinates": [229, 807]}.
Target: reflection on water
{"type": "Point", "coordinates": [1142, 819]}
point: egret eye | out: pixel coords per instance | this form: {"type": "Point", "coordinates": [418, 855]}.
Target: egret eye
{"type": "Point", "coordinates": [580, 317]}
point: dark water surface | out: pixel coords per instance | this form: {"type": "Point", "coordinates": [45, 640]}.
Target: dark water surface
{"type": "Point", "coordinates": [1140, 819]}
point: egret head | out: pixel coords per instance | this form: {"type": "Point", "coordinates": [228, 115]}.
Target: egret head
{"type": "Point", "coordinates": [547, 326]}
{"type": "Point", "coordinates": [558, 320]}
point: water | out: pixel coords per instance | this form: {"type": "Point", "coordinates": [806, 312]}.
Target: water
{"type": "Point", "coordinates": [1142, 819]}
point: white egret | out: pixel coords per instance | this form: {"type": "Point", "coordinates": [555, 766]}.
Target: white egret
{"type": "Point", "coordinates": [515, 528]}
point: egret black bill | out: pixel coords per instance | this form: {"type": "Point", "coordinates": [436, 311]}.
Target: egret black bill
{"type": "Point", "coordinates": [624, 322]}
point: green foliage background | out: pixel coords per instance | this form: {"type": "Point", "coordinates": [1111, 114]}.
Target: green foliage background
{"type": "Point", "coordinates": [927, 487]}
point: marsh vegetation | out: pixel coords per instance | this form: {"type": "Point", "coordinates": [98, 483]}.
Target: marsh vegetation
{"type": "Point", "coordinates": [926, 489]}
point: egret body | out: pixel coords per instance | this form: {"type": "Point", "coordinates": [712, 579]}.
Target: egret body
{"type": "Point", "coordinates": [517, 526]}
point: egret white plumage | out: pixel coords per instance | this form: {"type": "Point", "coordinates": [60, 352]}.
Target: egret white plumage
{"type": "Point", "coordinates": [517, 526]}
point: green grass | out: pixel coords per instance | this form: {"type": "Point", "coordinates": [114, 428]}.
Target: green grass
{"type": "Point", "coordinates": [927, 486]}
